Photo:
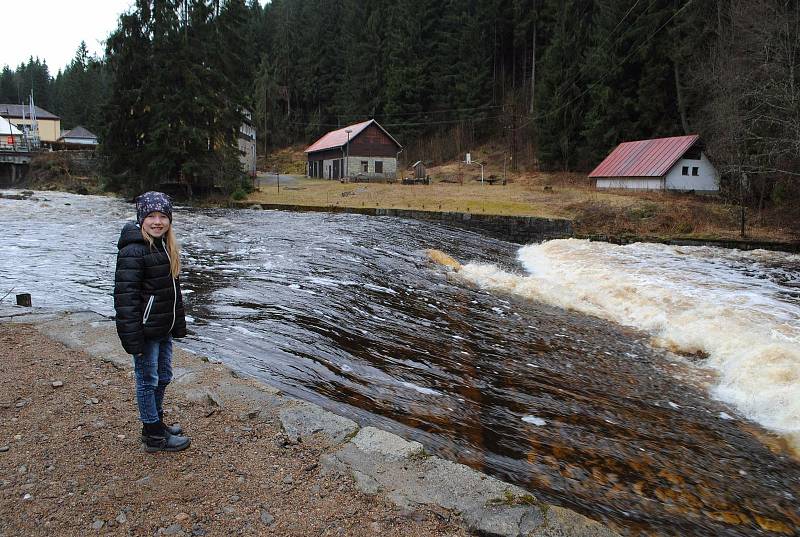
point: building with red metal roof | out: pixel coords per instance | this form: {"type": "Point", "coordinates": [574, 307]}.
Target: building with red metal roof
{"type": "Point", "coordinates": [364, 151]}
{"type": "Point", "coordinates": [675, 163]}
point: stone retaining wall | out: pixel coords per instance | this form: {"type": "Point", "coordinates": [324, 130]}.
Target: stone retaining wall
{"type": "Point", "coordinates": [518, 229]}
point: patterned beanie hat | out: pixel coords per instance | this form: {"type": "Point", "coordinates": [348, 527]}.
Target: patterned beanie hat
{"type": "Point", "coordinates": [150, 202]}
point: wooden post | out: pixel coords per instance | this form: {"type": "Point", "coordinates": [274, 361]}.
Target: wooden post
{"type": "Point", "coordinates": [24, 299]}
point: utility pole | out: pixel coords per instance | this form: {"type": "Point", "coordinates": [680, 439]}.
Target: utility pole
{"type": "Point", "coordinates": [742, 181]}
{"type": "Point", "coordinates": [347, 158]}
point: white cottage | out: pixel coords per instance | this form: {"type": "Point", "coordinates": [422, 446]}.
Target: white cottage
{"type": "Point", "coordinates": [676, 163]}
{"type": "Point", "coordinates": [78, 136]}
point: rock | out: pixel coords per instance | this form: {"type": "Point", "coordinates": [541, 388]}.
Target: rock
{"type": "Point", "coordinates": [288, 480]}
{"type": "Point", "coordinates": [121, 518]}
{"type": "Point", "coordinates": [143, 482]}
{"type": "Point", "coordinates": [57, 384]}
{"type": "Point", "coordinates": [249, 415]}
{"type": "Point", "coordinates": [98, 524]}
{"type": "Point", "coordinates": [266, 518]}
{"type": "Point", "coordinates": [182, 517]}
{"type": "Point", "coordinates": [235, 498]}
{"type": "Point", "coordinates": [3, 449]}
{"type": "Point", "coordinates": [390, 446]}
{"type": "Point", "coordinates": [94, 400]}
{"type": "Point", "coordinates": [27, 497]}
{"type": "Point", "coordinates": [366, 483]}
{"type": "Point", "coordinates": [17, 437]}
{"type": "Point", "coordinates": [21, 404]}
{"type": "Point", "coordinates": [301, 419]}
{"type": "Point", "coordinates": [174, 529]}
{"type": "Point", "coordinates": [22, 470]}
{"type": "Point", "coordinates": [228, 510]}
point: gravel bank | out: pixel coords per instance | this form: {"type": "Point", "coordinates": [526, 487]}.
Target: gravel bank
{"type": "Point", "coordinates": [261, 463]}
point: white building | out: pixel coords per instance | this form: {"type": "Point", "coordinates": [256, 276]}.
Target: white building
{"type": "Point", "coordinates": [676, 163]}
{"type": "Point", "coordinates": [78, 136]}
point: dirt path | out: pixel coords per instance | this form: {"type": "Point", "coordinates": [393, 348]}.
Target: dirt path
{"type": "Point", "coordinates": [71, 461]}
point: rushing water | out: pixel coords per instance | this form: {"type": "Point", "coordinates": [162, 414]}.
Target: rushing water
{"type": "Point", "coordinates": [553, 366]}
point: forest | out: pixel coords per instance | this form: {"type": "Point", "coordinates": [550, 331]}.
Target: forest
{"type": "Point", "coordinates": [558, 83]}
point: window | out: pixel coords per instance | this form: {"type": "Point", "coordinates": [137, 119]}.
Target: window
{"type": "Point", "coordinates": [695, 171]}
{"type": "Point", "coordinates": [378, 166]}
{"type": "Point", "coordinates": [685, 170]}
{"type": "Point", "coordinates": [364, 166]}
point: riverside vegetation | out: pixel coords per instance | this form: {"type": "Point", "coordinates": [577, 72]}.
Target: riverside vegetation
{"type": "Point", "coordinates": [557, 83]}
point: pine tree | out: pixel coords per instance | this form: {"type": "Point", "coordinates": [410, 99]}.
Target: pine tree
{"type": "Point", "coordinates": [563, 100]}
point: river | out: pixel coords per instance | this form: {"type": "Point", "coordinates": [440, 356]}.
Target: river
{"type": "Point", "coordinates": [651, 387]}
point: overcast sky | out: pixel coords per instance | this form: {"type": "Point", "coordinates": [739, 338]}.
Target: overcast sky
{"type": "Point", "coordinates": [53, 29]}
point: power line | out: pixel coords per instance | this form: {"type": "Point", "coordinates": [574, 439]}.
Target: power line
{"type": "Point", "coordinates": [407, 124]}
{"type": "Point", "coordinates": [474, 108]}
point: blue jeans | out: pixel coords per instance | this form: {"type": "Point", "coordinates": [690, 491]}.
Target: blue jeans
{"type": "Point", "coordinates": [153, 370]}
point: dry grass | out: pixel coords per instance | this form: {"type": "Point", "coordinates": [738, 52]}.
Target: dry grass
{"type": "Point", "coordinates": [456, 187]}
{"type": "Point", "coordinates": [289, 160]}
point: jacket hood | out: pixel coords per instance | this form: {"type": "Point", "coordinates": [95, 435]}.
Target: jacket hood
{"type": "Point", "coordinates": [132, 233]}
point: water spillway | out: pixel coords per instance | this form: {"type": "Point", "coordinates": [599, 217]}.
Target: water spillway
{"type": "Point", "coordinates": [646, 386]}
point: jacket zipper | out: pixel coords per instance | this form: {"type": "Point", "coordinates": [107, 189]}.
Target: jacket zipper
{"type": "Point", "coordinates": [147, 309]}
{"type": "Point", "coordinates": [174, 290]}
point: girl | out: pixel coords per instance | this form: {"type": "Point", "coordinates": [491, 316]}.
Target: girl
{"type": "Point", "coordinates": [147, 299]}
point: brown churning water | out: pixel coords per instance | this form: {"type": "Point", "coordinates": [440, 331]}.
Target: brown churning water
{"type": "Point", "coordinates": [526, 364]}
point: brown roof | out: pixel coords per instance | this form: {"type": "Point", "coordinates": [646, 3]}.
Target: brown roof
{"type": "Point", "coordinates": [16, 111]}
{"type": "Point", "coordinates": [645, 158]}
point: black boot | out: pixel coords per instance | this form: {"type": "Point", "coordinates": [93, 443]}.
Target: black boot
{"type": "Point", "coordinates": [156, 438]}
{"type": "Point", "coordinates": [174, 430]}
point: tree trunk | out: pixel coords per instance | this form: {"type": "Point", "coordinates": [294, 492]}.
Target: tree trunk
{"type": "Point", "coordinates": [681, 103]}
{"type": "Point", "coordinates": [533, 68]}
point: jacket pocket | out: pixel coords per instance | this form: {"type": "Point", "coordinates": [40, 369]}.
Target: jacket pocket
{"type": "Point", "coordinates": [148, 308]}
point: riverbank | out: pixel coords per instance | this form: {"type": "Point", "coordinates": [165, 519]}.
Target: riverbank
{"type": "Point", "coordinates": [616, 214]}
{"type": "Point", "coordinates": [260, 463]}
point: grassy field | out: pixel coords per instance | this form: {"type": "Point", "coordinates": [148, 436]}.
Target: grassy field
{"type": "Point", "coordinates": [562, 195]}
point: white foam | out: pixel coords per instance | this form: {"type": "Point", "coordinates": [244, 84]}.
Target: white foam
{"type": "Point", "coordinates": [690, 299]}
{"type": "Point", "coordinates": [534, 420]}
{"type": "Point", "coordinates": [420, 389]}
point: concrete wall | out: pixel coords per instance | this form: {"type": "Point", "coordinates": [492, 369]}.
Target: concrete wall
{"type": "Point", "coordinates": [632, 183]}
{"type": "Point", "coordinates": [518, 229]}
{"type": "Point", "coordinates": [353, 165]}
{"type": "Point", "coordinates": [327, 168]}
{"type": "Point", "coordinates": [706, 180]}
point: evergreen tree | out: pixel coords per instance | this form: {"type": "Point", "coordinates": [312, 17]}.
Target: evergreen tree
{"type": "Point", "coordinates": [562, 103]}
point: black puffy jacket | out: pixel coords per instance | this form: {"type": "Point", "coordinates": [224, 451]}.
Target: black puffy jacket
{"type": "Point", "coordinates": [146, 297]}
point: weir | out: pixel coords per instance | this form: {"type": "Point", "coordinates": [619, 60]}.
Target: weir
{"type": "Point", "coordinates": [510, 372]}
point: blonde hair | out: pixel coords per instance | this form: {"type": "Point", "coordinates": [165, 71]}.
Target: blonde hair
{"type": "Point", "coordinates": [173, 248]}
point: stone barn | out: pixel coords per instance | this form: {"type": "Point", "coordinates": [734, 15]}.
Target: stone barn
{"type": "Point", "coordinates": [361, 151]}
